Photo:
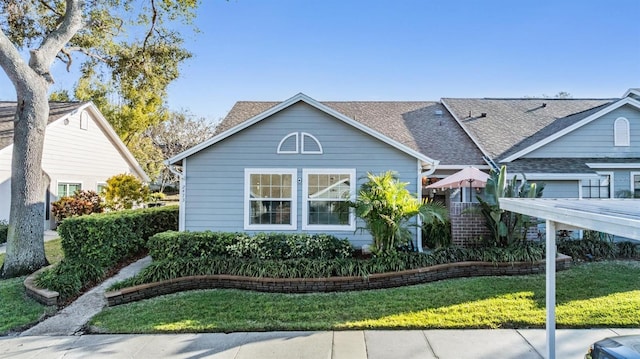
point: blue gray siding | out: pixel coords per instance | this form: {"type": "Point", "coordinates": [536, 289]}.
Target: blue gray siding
{"type": "Point", "coordinates": [560, 189]}
{"type": "Point", "coordinates": [215, 176]}
{"type": "Point", "coordinates": [595, 139]}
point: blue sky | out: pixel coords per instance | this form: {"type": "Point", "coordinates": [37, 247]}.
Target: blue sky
{"type": "Point", "coordinates": [404, 50]}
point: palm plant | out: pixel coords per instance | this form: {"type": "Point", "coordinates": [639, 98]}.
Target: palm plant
{"type": "Point", "coordinates": [386, 207]}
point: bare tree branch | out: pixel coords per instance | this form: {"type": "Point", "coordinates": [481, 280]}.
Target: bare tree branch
{"type": "Point", "coordinates": [52, 9]}
{"type": "Point", "coordinates": [154, 18]}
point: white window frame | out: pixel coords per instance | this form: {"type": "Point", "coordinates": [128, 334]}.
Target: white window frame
{"type": "Point", "coordinates": [98, 184]}
{"type": "Point", "coordinates": [621, 132]}
{"type": "Point", "coordinates": [632, 174]}
{"type": "Point", "coordinates": [294, 199]}
{"type": "Point", "coordinates": [67, 183]}
{"type": "Point", "coordinates": [314, 139]}
{"type": "Point", "coordinates": [84, 120]}
{"type": "Point", "coordinates": [611, 187]}
{"type": "Point", "coordinates": [305, 201]}
{"type": "Point", "coordinates": [280, 151]}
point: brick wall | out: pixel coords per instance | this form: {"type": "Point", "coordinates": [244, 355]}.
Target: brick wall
{"type": "Point", "coordinates": [332, 284]}
{"type": "Point", "coordinates": [467, 223]}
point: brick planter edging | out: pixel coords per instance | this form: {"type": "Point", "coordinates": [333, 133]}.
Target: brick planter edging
{"type": "Point", "coordinates": [331, 284]}
{"type": "Point", "coordinates": [41, 295]}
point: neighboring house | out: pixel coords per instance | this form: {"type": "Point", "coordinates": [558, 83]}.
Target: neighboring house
{"type": "Point", "coordinates": [290, 166]}
{"type": "Point", "coordinates": [581, 148]}
{"type": "Point", "coordinates": [81, 151]}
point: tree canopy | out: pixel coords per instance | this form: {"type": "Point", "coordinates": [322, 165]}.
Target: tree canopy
{"type": "Point", "coordinates": [129, 50]}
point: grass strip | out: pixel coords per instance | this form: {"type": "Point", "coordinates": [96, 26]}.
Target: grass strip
{"type": "Point", "coordinates": [603, 294]}
{"type": "Point", "coordinates": [18, 310]}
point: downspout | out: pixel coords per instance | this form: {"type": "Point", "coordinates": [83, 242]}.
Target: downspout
{"type": "Point", "coordinates": [182, 194]}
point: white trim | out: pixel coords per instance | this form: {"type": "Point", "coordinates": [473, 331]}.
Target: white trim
{"type": "Point", "coordinates": [303, 151]}
{"type": "Point", "coordinates": [586, 120]}
{"type": "Point", "coordinates": [631, 175]}
{"type": "Point", "coordinates": [461, 167]}
{"type": "Point", "coordinates": [419, 219]}
{"type": "Point", "coordinates": [182, 191]}
{"type": "Point", "coordinates": [614, 165]}
{"type": "Point", "coordinates": [84, 120]}
{"type": "Point", "coordinates": [557, 176]}
{"type": "Point", "coordinates": [632, 92]}
{"type": "Point", "coordinates": [611, 186]}
{"type": "Point", "coordinates": [285, 138]}
{"type": "Point", "coordinates": [305, 194]}
{"type": "Point", "coordinates": [58, 182]}
{"type": "Point", "coordinates": [293, 216]}
{"type": "Point", "coordinates": [579, 189]}
{"type": "Point", "coordinates": [313, 103]}
{"type": "Point", "coordinates": [623, 138]}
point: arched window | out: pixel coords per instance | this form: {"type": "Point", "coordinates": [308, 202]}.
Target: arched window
{"type": "Point", "coordinates": [621, 133]}
{"type": "Point", "coordinates": [288, 144]}
{"type": "Point", "coordinates": [310, 144]}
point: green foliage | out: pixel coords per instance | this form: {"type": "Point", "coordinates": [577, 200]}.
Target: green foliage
{"type": "Point", "coordinates": [81, 203]}
{"type": "Point", "coordinates": [94, 244]}
{"type": "Point", "coordinates": [319, 267]}
{"type": "Point", "coordinates": [4, 229]}
{"type": "Point", "coordinates": [507, 228]}
{"type": "Point", "coordinates": [436, 235]}
{"type": "Point", "coordinates": [597, 246]}
{"type": "Point", "coordinates": [124, 191]}
{"type": "Point", "coordinates": [185, 245]}
{"type": "Point", "coordinates": [386, 207]}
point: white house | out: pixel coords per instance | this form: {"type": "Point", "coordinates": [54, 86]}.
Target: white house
{"type": "Point", "coordinates": [81, 151]}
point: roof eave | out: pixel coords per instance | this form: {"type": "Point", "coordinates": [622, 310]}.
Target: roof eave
{"type": "Point", "coordinates": [311, 102]}
{"type": "Point", "coordinates": [586, 120]}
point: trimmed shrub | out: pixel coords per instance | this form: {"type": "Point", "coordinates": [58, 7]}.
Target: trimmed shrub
{"type": "Point", "coordinates": [94, 244]}
{"type": "Point", "coordinates": [124, 191]}
{"type": "Point", "coordinates": [319, 268]}
{"type": "Point", "coordinates": [172, 245]}
{"type": "Point", "coordinates": [4, 231]}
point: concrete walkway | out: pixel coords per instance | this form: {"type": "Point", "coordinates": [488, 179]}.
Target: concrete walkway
{"type": "Point", "coordinates": [442, 344]}
{"type": "Point", "coordinates": [71, 319]}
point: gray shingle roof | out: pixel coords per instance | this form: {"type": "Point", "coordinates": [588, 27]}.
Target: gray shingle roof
{"type": "Point", "coordinates": [8, 111]}
{"type": "Point", "coordinates": [511, 125]}
{"type": "Point", "coordinates": [561, 165]}
{"type": "Point", "coordinates": [414, 124]}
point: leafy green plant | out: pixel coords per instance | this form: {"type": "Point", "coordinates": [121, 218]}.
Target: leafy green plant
{"type": "Point", "coordinates": [94, 244]}
{"type": "Point", "coordinates": [124, 191]}
{"type": "Point", "coordinates": [171, 245]}
{"type": "Point", "coordinates": [386, 207]}
{"type": "Point", "coordinates": [327, 267]}
{"type": "Point", "coordinates": [436, 235]}
{"type": "Point", "coordinates": [507, 228]}
{"type": "Point", "coordinates": [81, 203]}
{"type": "Point", "coordinates": [4, 229]}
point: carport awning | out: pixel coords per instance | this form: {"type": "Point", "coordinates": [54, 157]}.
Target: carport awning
{"type": "Point", "coordinates": [620, 217]}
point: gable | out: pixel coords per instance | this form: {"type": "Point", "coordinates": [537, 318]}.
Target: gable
{"type": "Point", "coordinates": [501, 126]}
{"type": "Point", "coordinates": [597, 138]}
{"type": "Point", "coordinates": [234, 124]}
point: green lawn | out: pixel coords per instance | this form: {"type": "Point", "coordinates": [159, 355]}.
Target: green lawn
{"type": "Point", "coordinates": [17, 309]}
{"type": "Point", "coordinates": [605, 294]}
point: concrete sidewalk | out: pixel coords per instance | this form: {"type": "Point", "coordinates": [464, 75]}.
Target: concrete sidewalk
{"type": "Point", "coordinates": [442, 344]}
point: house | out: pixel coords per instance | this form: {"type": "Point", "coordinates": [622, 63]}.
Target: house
{"type": "Point", "coordinates": [580, 148]}
{"type": "Point", "coordinates": [81, 151]}
{"type": "Point", "coordinates": [290, 166]}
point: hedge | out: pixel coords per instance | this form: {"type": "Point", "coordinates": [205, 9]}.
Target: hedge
{"type": "Point", "coordinates": [94, 244]}
{"type": "Point", "coordinates": [184, 245]}
{"type": "Point", "coordinates": [4, 229]}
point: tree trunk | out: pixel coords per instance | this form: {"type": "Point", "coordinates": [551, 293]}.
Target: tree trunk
{"type": "Point", "coordinates": [25, 244]}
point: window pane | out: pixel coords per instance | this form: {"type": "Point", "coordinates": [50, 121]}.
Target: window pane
{"type": "Point", "coordinates": [329, 212]}
{"type": "Point", "coordinates": [270, 186]}
{"type": "Point", "coordinates": [270, 212]}
{"type": "Point", "coordinates": [330, 186]}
